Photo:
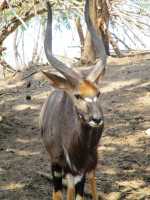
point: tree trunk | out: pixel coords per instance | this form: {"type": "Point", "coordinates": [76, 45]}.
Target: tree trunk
{"type": "Point", "coordinates": [103, 22]}
{"type": "Point", "coordinates": [15, 50]}
{"type": "Point", "coordinates": [114, 45]}
{"type": "Point", "coordinates": [89, 54]}
{"type": "Point", "coordinates": [99, 14]}
{"type": "Point", "coordinates": [23, 52]}
{"type": "Point", "coordinates": [35, 53]}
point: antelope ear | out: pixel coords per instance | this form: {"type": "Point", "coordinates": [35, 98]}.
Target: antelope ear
{"type": "Point", "coordinates": [88, 89]}
{"type": "Point", "coordinates": [86, 73]}
{"type": "Point", "coordinates": [57, 81]}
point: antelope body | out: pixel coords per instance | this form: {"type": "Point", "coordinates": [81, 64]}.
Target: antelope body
{"type": "Point", "coordinates": [71, 119]}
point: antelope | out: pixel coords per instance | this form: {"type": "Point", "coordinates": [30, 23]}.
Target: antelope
{"type": "Point", "coordinates": [71, 119]}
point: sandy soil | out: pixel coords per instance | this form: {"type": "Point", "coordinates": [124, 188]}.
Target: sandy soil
{"type": "Point", "coordinates": [123, 170]}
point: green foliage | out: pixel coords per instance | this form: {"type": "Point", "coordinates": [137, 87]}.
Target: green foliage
{"type": "Point", "coordinates": [145, 5]}
{"type": "Point", "coordinates": [62, 19]}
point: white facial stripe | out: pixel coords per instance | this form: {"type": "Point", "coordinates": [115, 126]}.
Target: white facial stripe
{"type": "Point", "coordinates": [88, 99]}
{"type": "Point", "coordinates": [95, 99]}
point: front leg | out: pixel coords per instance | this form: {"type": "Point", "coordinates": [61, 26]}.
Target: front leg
{"type": "Point", "coordinates": [92, 181]}
{"type": "Point", "coordinates": [75, 187]}
{"type": "Point", "coordinates": [79, 187]}
{"type": "Point", "coordinates": [57, 182]}
{"type": "Point", "coordinates": [70, 187]}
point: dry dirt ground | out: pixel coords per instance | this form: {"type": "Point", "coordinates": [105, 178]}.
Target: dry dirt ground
{"type": "Point", "coordinates": [123, 170]}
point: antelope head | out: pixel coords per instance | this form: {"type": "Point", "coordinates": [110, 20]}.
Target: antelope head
{"type": "Point", "coordinates": [84, 91]}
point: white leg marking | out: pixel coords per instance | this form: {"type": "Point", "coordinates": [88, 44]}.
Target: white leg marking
{"type": "Point", "coordinates": [78, 197]}
{"type": "Point", "coordinates": [77, 179]}
{"type": "Point", "coordinates": [70, 181]}
{"type": "Point", "coordinates": [73, 180]}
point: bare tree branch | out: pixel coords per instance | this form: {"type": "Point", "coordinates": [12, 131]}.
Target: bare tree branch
{"type": "Point", "coordinates": [14, 23]}
{"type": "Point", "coordinates": [121, 41]}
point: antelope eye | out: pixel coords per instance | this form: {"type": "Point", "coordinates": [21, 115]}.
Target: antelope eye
{"type": "Point", "coordinates": [78, 96]}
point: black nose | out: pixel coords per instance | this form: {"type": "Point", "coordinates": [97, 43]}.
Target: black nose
{"type": "Point", "coordinates": [97, 120]}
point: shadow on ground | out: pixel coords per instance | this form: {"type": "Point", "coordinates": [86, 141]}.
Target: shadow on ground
{"type": "Point", "coordinates": [124, 152]}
